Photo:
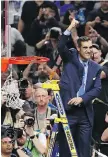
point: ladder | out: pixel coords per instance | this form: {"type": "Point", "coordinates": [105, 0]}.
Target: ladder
{"type": "Point", "coordinates": [63, 119]}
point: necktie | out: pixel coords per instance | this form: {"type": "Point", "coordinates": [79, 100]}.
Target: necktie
{"type": "Point", "coordinates": [82, 88]}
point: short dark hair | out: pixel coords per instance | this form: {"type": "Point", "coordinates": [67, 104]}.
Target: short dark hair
{"type": "Point", "coordinates": [82, 39]}
{"type": "Point", "coordinates": [19, 48]}
{"type": "Point", "coordinates": [30, 114]}
{"type": "Point", "coordinates": [50, 5]}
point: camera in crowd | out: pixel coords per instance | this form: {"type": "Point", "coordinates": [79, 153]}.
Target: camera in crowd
{"type": "Point", "coordinates": [51, 124]}
{"type": "Point", "coordinates": [13, 133]}
{"type": "Point", "coordinates": [55, 32]}
{"type": "Point", "coordinates": [29, 122]}
{"type": "Point", "coordinates": [23, 84]}
{"type": "Point", "coordinates": [51, 120]}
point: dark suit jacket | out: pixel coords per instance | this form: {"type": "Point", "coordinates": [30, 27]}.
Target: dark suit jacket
{"type": "Point", "coordinates": [71, 78]}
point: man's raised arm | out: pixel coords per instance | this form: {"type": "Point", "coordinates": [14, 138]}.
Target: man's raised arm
{"type": "Point", "coordinates": [66, 55]}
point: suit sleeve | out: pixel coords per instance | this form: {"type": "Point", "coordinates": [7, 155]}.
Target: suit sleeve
{"type": "Point", "coordinates": [65, 53]}
{"type": "Point", "coordinates": [94, 92]}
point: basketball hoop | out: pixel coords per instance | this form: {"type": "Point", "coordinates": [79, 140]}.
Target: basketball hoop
{"type": "Point", "coordinates": [27, 59]}
{"type": "Point", "coordinates": [5, 61]}
{"type": "Point", "coordinates": [4, 64]}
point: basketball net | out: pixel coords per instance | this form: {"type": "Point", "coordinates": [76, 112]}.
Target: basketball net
{"type": "Point", "coordinates": [11, 91]}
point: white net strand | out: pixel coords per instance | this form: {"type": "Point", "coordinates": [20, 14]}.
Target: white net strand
{"type": "Point", "coordinates": [10, 88]}
{"type": "Point", "coordinates": [4, 51]}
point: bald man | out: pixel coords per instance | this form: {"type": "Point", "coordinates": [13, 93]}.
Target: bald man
{"type": "Point", "coordinates": [43, 111]}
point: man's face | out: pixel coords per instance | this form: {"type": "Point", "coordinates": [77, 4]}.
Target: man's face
{"type": "Point", "coordinates": [41, 97]}
{"type": "Point", "coordinates": [92, 37]}
{"type": "Point", "coordinates": [85, 51]}
{"type": "Point", "coordinates": [48, 13]}
{"type": "Point", "coordinates": [6, 145]}
{"type": "Point", "coordinates": [22, 140]}
{"type": "Point", "coordinates": [96, 55]}
{"type": "Point", "coordinates": [104, 5]}
{"type": "Point", "coordinates": [28, 91]}
{"type": "Point", "coordinates": [42, 69]}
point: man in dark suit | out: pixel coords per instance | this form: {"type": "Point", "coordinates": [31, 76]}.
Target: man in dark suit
{"type": "Point", "coordinates": [80, 83]}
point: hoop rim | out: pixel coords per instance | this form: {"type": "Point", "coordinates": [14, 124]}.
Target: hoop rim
{"type": "Point", "coordinates": [23, 59]}
{"type": "Point", "coordinates": [4, 64]}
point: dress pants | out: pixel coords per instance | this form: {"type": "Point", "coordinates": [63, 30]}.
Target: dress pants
{"type": "Point", "coordinates": [81, 130]}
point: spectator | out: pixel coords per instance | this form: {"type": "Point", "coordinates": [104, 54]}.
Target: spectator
{"type": "Point", "coordinates": [19, 48]}
{"type": "Point", "coordinates": [15, 36]}
{"type": "Point", "coordinates": [104, 136]}
{"type": "Point", "coordinates": [104, 74]}
{"type": "Point", "coordinates": [30, 11]}
{"type": "Point", "coordinates": [41, 26]}
{"type": "Point", "coordinates": [100, 102]}
{"type": "Point", "coordinates": [26, 93]}
{"type": "Point", "coordinates": [40, 74]}
{"type": "Point", "coordinates": [7, 147]}
{"type": "Point", "coordinates": [42, 111]}
{"type": "Point", "coordinates": [98, 39]}
{"type": "Point", "coordinates": [29, 142]}
{"type": "Point", "coordinates": [79, 11]}
{"type": "Point", "coordinates": [52, 39]}
{"type": "Point", "coordinates": [98, 19]}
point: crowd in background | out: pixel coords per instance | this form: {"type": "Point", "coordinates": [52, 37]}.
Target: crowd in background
{"type": "Point", "coordinates": [36, 31]}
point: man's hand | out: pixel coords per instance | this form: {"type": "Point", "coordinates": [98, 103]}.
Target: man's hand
{"type": "Point", "coordinates": [93, 32]}
{"type": "Point", "coordinates": [73, 24]}
{"type": "Point", "coordinates": [47, 37]}
{"type": "Point", "coordinates": [29, 130]}
{"type": "Point", "coordinates": [97, 19]}
{"type": "Point", "coordinates": [75, 101]}
{"type": "Point", "coordinates": [41, 11]}
{"type": "Point", "coordinates": [106, 117]}
{"type": "Point", "coordinates": [105, 23]}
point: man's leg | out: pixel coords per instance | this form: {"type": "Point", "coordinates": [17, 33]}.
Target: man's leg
{"type": "Point", "coordinates": [84, 137]}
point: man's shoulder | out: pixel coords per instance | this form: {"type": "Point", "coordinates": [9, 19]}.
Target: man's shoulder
{"type": "Point", "coordinates": [95, 65]}
{"type": "Point", "coordinates": [53, 110]}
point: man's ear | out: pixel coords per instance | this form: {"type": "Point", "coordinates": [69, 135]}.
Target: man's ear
{"type": "Point", "coordinates": [100, 52]}
{"type": "Point", "coordinates": [78, 49]}
{"type": "Point", "coordinates": [49, 97]}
